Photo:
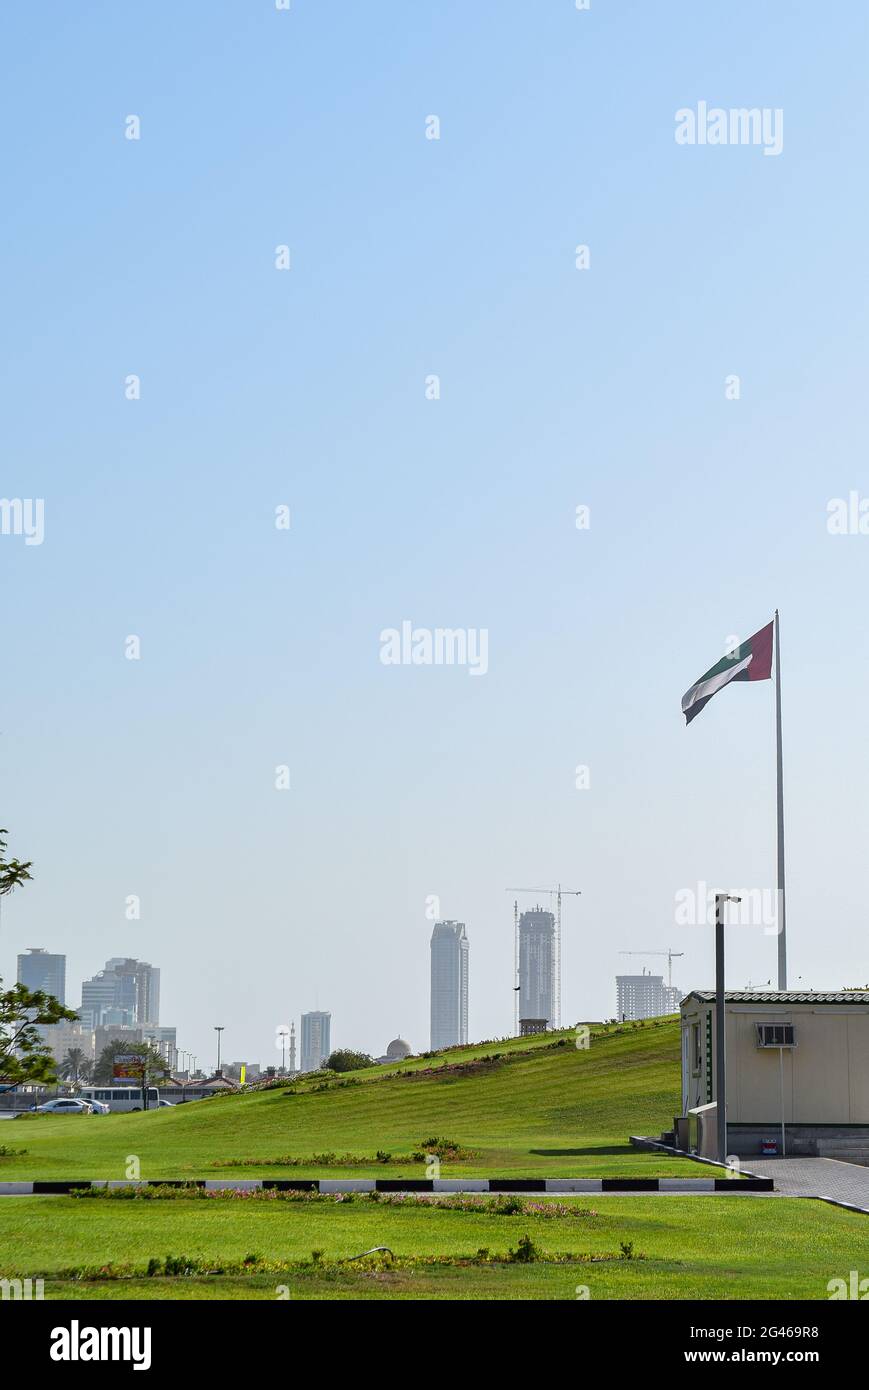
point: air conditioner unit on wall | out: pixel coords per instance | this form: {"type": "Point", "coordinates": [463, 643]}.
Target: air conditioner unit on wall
{"type": "Point", "coordinates": [775, 1035]}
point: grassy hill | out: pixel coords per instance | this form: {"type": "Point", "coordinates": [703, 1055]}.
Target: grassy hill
{"type": "Point", "coordinates": [526, 1106]}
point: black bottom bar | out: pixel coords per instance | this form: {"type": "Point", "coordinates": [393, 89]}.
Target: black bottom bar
{"type": "Point", "coordinates": [404, 1185]}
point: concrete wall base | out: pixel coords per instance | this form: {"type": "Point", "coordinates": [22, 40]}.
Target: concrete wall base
{"type": "Point", "coordinates": [849, 1142]}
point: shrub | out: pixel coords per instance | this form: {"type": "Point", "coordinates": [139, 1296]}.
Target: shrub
{"type": "Point", "coordinates": [442, 1148]}
{"type": "Point", "coordinates": [345, 1059]}
{"type": "Point", "coordinates": [509, 1206]}
{"type": "Point", "coordinates": [526, 1252]}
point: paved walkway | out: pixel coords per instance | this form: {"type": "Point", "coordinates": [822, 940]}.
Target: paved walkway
{"type": "Point", "coordinates": [815, 1177]}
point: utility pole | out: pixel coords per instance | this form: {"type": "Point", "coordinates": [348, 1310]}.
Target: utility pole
{"type": "Point", "coordinates": [720, 1054]}
{"type": "Point", "coordinates": [218, 1028]}
{"type": "Point", "coordinates": [516, 981]}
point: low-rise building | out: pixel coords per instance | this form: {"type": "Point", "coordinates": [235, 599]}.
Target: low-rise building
{"type": "Point", "coordinates": [67, 1036]}
{"type": "Point", "coordinates": [796, 1069]}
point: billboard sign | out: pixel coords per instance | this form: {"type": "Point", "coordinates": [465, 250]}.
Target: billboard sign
{"type": "Point", "coordinates": [127, 1066]}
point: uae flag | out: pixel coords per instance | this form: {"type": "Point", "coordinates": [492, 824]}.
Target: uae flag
{"type": "Point", "coordinates": [750, 662]}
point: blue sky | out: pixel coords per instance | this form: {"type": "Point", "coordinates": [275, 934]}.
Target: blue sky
{"type": "Point", "coordinates": [559, 388]}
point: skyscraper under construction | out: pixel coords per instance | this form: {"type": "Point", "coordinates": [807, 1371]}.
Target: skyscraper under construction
{"type": "Point", "coordinates": [537, 970]}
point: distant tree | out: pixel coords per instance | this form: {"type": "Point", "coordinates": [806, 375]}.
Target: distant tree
{"type": "Point", "coordinates": [24, 1056]}
{"type": "Point", "coordinates": [75, 1066]}
{"type": "Point", "coordinates": [347, 1060]}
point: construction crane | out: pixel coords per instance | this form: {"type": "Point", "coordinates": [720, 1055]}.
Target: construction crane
{"type": "Point", "coordinates": [559, 892]}
{"type": "Point", "coordinates": [671, 956]}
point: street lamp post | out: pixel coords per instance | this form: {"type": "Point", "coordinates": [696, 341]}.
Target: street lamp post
{"type": "Point", "coordinates": [181, 1052]}
{"type": "Point", "coordinates": [720, 1055]}
{"type": "Point", "coordinates": [218, 1028]}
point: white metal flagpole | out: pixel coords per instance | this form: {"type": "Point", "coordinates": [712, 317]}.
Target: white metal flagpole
{"type": "Point", "coordinates": [780, 820]}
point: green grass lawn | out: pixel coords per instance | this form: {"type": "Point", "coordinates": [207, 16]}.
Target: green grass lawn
{"type": "Point", "coordinates": [537, 1110]}
{"type": "Point", "coordinates": [697, 1247]}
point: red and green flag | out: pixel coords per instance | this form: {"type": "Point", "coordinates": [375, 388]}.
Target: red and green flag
{"type": "Point", "coordinates": [752, 661]}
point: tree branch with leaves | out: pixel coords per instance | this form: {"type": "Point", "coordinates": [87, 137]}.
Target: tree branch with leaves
{"type": "Point", "coordinates": [24, 1056]}
{"type": "Point", "coordinates": [12, 871]}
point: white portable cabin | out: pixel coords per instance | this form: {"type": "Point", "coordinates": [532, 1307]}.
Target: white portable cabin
{"type": "Point", "coordinates": [797, 1065]}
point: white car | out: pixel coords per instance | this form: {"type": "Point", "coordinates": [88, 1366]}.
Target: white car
{"type": "Point", "coordinates": [65, 1105]}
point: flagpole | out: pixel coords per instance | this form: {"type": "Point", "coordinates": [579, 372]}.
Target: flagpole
{"type": "Point", "coordinates": [780, 820]}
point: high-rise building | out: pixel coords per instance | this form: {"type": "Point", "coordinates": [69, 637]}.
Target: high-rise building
{"type": "Point", "coordinates": [125, 993]}
{"type": "Point", "coordinates": [40, 969]}
{"type": "Point", "coordinates": [146, 985]}
{"type": "Point", "coordinates": [316, 1028]}
{"type": "Point", "coordinates": [118, 1018]}
{"type": "Point", "coordinates": [645, 996]}
{"type": "Point", "coordinates": [100, 996]}
{"type": "Point", "coordinates": [537, 982]}
{"type": "Point", "coordinates": [449, 985]}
